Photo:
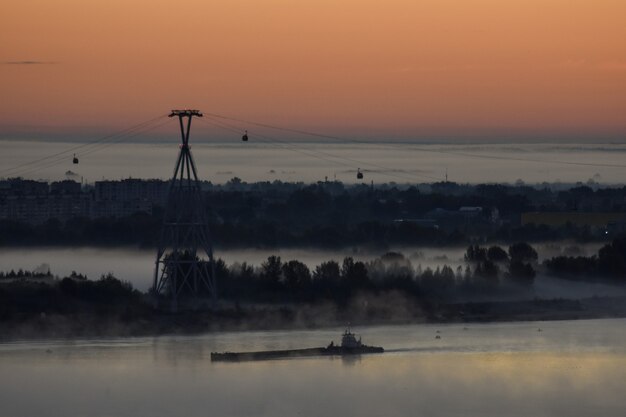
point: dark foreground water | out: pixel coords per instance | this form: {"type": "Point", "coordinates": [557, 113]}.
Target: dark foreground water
{"type": "Point", "coordinates": [567, 368]}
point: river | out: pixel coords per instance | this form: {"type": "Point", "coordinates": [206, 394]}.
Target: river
{"type": "Point", "coordinates": [560, 368]}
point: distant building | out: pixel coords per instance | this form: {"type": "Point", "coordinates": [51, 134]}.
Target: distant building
{"type": "Point", "coordinates": [425, 223]}
{"type": "Point", "coordinates": [153, 191]}
{"type": "Point", "coordinates": [114, 208]}
{"type": "Point", "coordinates": [36, 202]}
{"type": "Point", "coordinates": [605, 224]}
{"type": "Point", "coordinates": [21, 187]}
{"type": "Point", "coordinates": [468, 219]}
{"type": "Point", "coordinates": [38, 209]}
{"type": "Point", "coordinates": [580, 219]}
{"type": "Point", "coordinates": [65, 187]}
{"type": "Point", "coordinates": [129, 196]}
{"type": "Point", "coordinates": [471, 211]}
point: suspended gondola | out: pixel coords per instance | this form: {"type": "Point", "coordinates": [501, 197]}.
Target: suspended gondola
{"type": "Point", "coordinates": [75, 159]}
{"type": "Point", "coordinates": [245, 137]}
{"type": "Point", "coordinates": [359, 174]}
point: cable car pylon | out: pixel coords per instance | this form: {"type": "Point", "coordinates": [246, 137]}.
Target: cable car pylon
{"type": "Point", "coordinates": [184, 269]}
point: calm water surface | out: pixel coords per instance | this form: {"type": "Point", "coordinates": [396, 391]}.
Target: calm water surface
{"type": "Point", "coordinates": [569, 368]}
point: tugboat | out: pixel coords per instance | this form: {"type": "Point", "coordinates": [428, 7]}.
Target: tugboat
{"type": "Point", "coordinates": [349, 346]}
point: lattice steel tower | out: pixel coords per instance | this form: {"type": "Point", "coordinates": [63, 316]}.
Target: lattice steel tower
{"type": "Point", "coordinates": [184, 261]}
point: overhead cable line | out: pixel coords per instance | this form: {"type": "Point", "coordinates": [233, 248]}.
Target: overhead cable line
{"type": "Point", "coordinates": [326, 155]}
{"type": "Point", "coordinates": [519, 159]}
{"type": "Point", "coordinates": [88, 148]}
{"type": "Point", "coordinates": [267, 140]}
{"type": "Point", "coordinates": [73, 149]}
{"type": "Point", "coordinates": [63, 159]}
{"type": "Point", "coordinates": [386, 170]}
{"type": "Point", "coordinates": [118, 140]}
{"type": "Point", "coordinates": [389, 145]}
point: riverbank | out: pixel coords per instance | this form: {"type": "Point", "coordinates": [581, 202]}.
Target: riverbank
{"type": "Point", "coordinates": [127, 323]}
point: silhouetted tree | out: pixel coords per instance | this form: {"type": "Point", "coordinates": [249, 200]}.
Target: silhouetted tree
{"type": "Point", "coordinates": [497, 254]}
{"type": "Point", "coordinates": [610, 263]}
{"type": "Point", "coordinates": [487, 271]}
{"type": "Point", "coordinates": [354, 274]}
{"type": "Point", "coordinates": [612, 259]}
{"type": "Point", "coordinates": [522, 273]}
{"type": "Point", "coordinates": [222, 275]}
{"type": "Point", "coordinates": [438, 284]}
{"type": "Point", "coordinates": [522, 252]}
{"type": "Point", "coordinates": [296, 274]}
{"type": "Point", "coordinates": [475, 253]}
{"type": "Point", "coordinates": [271, 271]}
{"type": "Point", "coordinates": [328, 273]}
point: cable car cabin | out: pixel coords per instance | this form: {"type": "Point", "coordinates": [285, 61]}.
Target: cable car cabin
{"type": "Point", "coordinates": [245, 137]}
{"type": "Point", "coordinates": [359, 174]}
{"type": "Point", "coordinates": [75, 159]}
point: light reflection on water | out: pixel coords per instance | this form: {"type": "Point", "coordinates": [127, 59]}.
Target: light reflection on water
{"type": "Point", "coordinates": [568, 368]}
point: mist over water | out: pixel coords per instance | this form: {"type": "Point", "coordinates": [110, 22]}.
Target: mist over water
{"type": "Point", "coordinates": [314, 161]}
{"type": "Point", "coordinates": [137, 265]}
{"type": "Point", "coordinates": [573, 368]}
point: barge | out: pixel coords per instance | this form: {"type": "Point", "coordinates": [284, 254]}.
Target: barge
{"type": "Point", "coordinates": [349, 346]}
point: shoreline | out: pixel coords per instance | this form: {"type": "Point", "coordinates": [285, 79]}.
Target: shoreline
{"type": "Point", "coordinates": [159, 323]}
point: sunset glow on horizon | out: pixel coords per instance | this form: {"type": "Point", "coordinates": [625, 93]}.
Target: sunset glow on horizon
{"type": "Point", "coordinates": [434, 67]}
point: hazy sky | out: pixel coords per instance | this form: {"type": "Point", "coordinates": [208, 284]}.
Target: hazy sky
{"type": "Point", "coordinates": [419, 67]}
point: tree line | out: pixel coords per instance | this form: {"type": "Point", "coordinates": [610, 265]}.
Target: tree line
{"type": "Point", "coordinates": [331, 215]}
{"type": "Point", "coordinates": [487, 271]}
{"type": "Point", "coordinates": [609, 264]}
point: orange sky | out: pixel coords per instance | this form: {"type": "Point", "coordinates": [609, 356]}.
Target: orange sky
{"type": "Point", "coordinates": [446, 67]}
